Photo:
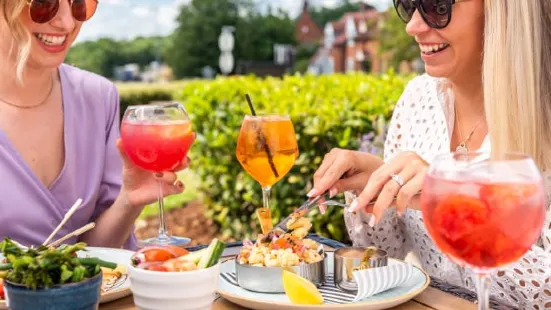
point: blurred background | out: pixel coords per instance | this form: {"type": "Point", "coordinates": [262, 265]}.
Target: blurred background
{"type": "Point", "coordinates": [337, 67]}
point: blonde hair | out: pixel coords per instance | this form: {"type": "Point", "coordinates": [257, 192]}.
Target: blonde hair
{"type": "Point", "coordinates": [21, 43]}
{"type": "Point", "coordinates": [517, 77]}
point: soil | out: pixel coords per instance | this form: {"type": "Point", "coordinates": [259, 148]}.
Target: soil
{"type": "Point", "coordinates": [188, 221]}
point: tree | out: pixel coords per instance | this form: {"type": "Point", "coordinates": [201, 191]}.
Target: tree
{"type": "Point", "coordinates": [256, 35]}
{"type": "Point", "coordinates": [103, 55]}
{"type": "Point", "coordinates": [395, 41]}
{"type": "Point", "coordinates": [324, 15]}
{"type": "Point", "coordinates": [194, 43]}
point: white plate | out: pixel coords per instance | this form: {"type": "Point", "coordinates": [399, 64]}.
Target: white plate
{"type": "Point", "coordinates": [111, 290]}
{"type": "Point", "coordinates": [391, 298]}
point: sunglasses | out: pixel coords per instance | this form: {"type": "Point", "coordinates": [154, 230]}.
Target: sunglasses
{"type": "Point", "coordinates": [43, 11]}
{"type": "Point", "coordinates": [436, 13]}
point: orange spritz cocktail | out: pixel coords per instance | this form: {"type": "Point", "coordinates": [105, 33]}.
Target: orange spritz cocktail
{"type": "Point", "coordinates": [267, 148]}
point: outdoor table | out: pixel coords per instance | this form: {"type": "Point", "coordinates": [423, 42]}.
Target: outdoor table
{"type": "Point", "coordinates": [432, 298]}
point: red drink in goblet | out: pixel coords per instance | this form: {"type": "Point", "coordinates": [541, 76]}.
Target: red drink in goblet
{"type": "Point", "coordinates": [483, 213]}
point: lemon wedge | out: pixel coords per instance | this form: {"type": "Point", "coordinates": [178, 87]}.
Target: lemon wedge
{"type": "Point", "coordinates": [301, 291]}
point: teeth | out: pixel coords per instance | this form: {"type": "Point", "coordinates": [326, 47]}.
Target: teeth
{"type": "Point", "coordinates": [51, 40]}
{"type": "Point", "coordinates": [432, 48]}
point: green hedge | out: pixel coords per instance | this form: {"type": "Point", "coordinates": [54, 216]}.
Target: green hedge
{"type": "Point", "coordinates": [143, 96]}
{"type": "Point", "coordinates": [327, 111]}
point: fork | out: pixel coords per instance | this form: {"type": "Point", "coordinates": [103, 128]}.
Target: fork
{"type": "Point", "coordinates": [344, 205]}
{"type": "Point", "coordinates": [334, 203]}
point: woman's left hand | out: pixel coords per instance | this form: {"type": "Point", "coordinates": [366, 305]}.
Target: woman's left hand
{"type": "Point", "coordinates": [400, 180]}
{"type": "Point", "coordinates": [142, 187]}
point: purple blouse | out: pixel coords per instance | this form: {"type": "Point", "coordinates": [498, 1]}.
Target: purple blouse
{"type": "Point", "coordinates": [29, 211]}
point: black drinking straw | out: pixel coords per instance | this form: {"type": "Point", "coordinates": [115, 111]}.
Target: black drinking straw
{"type": "Point", "coordinates": [262, 139]}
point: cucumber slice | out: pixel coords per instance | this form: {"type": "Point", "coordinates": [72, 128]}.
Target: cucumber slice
{"type": "Point", "coordinates": [212, 255]}
{"type": "Point", "coordinates": [194, 257]}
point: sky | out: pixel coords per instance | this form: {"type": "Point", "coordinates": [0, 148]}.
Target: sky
{"type": "Point", "coordinates": [126, 19]}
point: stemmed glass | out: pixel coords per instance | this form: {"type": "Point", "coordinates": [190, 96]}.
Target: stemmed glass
{"type": "Point", "coordinates": [483, 212]}
{"type": "Point", "coordinates": [157, 138]}
{"type": "Point", "coordinates": [267, 150]}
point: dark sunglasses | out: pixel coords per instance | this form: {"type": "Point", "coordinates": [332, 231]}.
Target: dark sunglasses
{"type": "Point", "coordinates": [43, 11]}
{"type": "Point", "coordinates": [436, 13]}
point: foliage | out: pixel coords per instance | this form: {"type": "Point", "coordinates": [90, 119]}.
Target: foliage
{"type": "Point", "coordinates": [324, 15]}
{"type": "Point", "coordinates": [103, 55]}
{"type": "Point", "coordinates": [396, 41]}
{"type": "Point", "coordinates": [194, 43]}
{"type": "Point", "coordinates": [327, 111]}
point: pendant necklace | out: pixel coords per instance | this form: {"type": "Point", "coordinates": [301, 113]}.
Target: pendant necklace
{"type": "Point", "coordinates": [462, 147]}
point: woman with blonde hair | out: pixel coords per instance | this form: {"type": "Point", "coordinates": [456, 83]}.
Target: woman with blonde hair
{"type": "Point", "coordinates": [59, 131]}
{"type": "Point", "coordinates": [487, 88]}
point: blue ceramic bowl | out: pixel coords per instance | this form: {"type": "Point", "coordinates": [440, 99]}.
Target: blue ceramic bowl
{"type": "Point", "coordinates": [83, 295]}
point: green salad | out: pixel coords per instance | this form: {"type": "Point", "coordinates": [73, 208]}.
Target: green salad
{"type": "Point", "coordinates": [45, 267]}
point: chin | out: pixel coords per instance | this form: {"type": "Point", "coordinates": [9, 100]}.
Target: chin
{"type": "Point", "coordinates": [438, 71]}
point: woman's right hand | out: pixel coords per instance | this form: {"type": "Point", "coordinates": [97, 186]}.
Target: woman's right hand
{"type": "Point", "coordinates": [344, 170]}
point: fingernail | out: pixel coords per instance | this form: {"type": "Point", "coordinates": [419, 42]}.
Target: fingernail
{"type": "Point", "coordinates": [323, 208]}
{"type": "Point", "coordinates": [159, 174]}
{"type": "Point", "coordinates": [354, 206]}
{"type": "Point", "coordinates": [312, 192]}
{"type": "Point", "coordinates": [333, 192]}
{"type": "Point", "coordinates": [372, 221]}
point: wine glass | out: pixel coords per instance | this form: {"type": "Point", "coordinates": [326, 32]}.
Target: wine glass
{"type": "Point", "coordinates": [267, 149]}
{"type": "Point", "coordinates": [483, 212]}
{"type": "Point", "coordinates": [157, 138]}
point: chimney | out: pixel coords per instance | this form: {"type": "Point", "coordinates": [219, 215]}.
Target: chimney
{"type": "Point", "coordinates": [305, 6]}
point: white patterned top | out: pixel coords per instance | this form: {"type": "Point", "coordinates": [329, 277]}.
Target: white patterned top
{"type": "Point", "coordinates": [422, 122]}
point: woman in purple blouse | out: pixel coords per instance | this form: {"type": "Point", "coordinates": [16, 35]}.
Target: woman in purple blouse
{"type": "Point", "coordinates": [59, 134]}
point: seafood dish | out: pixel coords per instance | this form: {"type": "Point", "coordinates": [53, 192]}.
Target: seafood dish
{"type": "Point", "coordinates": [285, 249]}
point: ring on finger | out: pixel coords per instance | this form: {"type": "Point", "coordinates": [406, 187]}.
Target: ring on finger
{"type": "Point", "coordinates": [398, 179]}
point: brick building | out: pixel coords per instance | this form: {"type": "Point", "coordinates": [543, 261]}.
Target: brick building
{"type": "Point", "coordinates": [347, 44]}
{"type": "Point", "coordinates": [307, 32]}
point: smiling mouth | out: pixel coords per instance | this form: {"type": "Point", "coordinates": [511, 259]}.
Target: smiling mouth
{"type": "Point", "coordinates": [433, 48]}
{"type": "Point", "coordinates": [51, 40]}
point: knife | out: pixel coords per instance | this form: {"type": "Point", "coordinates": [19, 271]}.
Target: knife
{"type": "Point", "coordinates": [303, 210]}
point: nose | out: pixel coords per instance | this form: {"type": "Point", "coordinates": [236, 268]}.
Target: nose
{"type": "Point", "coordinates": [416, 25]}
{"type": "Point", "coordinates": [64, 19]}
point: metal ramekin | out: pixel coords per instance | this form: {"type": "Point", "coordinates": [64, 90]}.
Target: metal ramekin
{"type": "Point", "coordinates": [344, 266]}
{"type": "Point", "coordinates": [269, 279]}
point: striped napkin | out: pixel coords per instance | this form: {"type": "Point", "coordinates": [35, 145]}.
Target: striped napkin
{"type": "Point", "coordinates": [331, 294]}
{"type": "Point", "coordinates": [376, 280]}
{"type": "Point", "coordinates": [370, 282]}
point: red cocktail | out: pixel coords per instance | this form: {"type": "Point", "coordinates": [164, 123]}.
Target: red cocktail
{"type": "Point", "coordinates": [157, 138]}
{"type": "Point", "coordinates": [157, 146]}
{"type": "Point", "coordinates": [483, 213]}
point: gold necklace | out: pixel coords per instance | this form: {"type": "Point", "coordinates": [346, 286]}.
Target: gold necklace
{"type": "Point", "coordinates": [31, 106]}
{"type": "Point", "coordinates": [462, 147]}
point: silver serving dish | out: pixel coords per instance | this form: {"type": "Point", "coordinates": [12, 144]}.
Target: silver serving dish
{"type": "Point", "coordinates": [269, 279]}
{"type": "Point", "coordinates": [346, 260]}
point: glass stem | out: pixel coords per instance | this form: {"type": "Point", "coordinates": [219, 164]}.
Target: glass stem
{"type": "Point", "coordinates": [482, 286]}
{"type": "Point", "coordinates": [266, 196]}
{"type": "Point", "coordinates": [162, 224]}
